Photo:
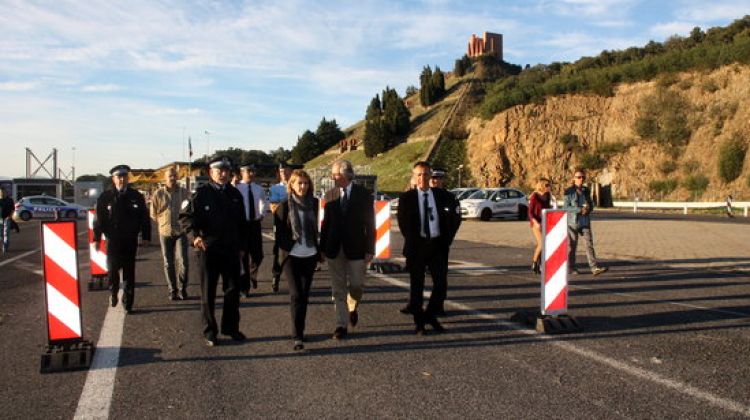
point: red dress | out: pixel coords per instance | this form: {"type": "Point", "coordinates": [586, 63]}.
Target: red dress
{"type": "Point", "coordinates": [537, 203]}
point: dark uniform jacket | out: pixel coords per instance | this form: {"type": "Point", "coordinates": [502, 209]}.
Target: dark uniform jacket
{"type": "Point", "coordinates": [410, 224]}
{"type": "Point", "coordinates": [6, 207]}
{"type": "Point", "coordinates": [121, 217]}
{"type": "Point", "coordinates": [216, 216]}
{"type": "Point", "coordinates": [353, 229]}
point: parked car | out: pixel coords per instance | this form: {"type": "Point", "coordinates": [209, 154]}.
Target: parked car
{"type": "Point", "coordinates": [44, 206]}
{"type": "Point", "coordinates": [462, 193]}
{"type": "Point", "coordinates": [487, 203]}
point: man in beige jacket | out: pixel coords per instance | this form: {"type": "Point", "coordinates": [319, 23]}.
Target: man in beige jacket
{"type": "Point", "coordinates": [165, 210]}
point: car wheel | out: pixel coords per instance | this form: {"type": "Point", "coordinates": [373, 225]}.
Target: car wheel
{"type": "Point", "coordinates": [486, 214]}
{"type": "Point", "coordinates": [25, 216]}
{"type": "Point", "coordinates": [523, 212]}
{"type": "Point", "coordinates": [71, 214]}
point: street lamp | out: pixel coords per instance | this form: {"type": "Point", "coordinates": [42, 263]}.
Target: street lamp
{"type": "Point", "coordinates": [460, 167]}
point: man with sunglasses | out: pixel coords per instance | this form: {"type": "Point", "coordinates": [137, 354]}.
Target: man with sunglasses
{"type": "Point", "coordinates": [428, 219]}
{"type": "Point", "coordinates": [579, 205]}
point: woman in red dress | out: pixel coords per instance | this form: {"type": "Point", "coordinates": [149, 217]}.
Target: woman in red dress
{"type": "Point", "coordinates": [539, 200]}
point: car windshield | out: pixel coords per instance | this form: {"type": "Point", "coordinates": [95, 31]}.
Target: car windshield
{"type": "Point", "coordinates": [479, 195]}
{"type": "Point", "coordinates": [465, 194]}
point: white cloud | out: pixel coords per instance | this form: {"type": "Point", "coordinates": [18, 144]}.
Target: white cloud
{"type": "Point", "coordinates": [663, 31]}
{"type": "Point", "coordinates": [712, 11]}
{"type": "Point", "coordinates": [101, 88]}
{"type": "Point", "coordinates": [18, 86]}
{"type": "Point", "coordinates": [589, 8]}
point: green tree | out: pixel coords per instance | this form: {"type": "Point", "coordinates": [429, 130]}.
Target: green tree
{"type": "Point", "coordinates": [426, 88]}
{"type": "Point", "coordinates": [280, 155]}
{"type": "Point", "coordinates": [374, 138]}
{"type": "Point", "coordinates": [395, 117]}
{"type": "Point", "coordinates": [438, 82]}
{"type": "Point", "coordinates": [328, 134]}
{"type": "Point", "coordinates": [306, 147]}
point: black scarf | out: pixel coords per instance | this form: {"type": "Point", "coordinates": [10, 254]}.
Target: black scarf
{"type": "Point", "coordinates": [306, 204]}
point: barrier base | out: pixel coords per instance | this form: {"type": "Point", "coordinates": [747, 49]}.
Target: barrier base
{"type": "Point", "coordinates": [67, 357]}
{"type": "Point", "coordinates": [99, 283]}
{"type": "Point", "coordinates": [385, 267]}
{"type": "Point", "coordinates": [548, 324]}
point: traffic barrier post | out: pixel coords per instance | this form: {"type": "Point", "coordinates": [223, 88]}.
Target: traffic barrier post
{"type": "Point", "coordinates": [97, 258]}
{"type": "Point", "coordinates": [381, 260]}
{"type": "Point", "coordinates": [553, 317]}
{"type": "Point", "coordinates": [66, 349]}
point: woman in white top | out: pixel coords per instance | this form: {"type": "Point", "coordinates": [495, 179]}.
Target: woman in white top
{"type": "Point", "coordinates": [296, 222]}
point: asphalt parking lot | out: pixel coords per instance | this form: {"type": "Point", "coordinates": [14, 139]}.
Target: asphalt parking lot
{"type": "Point", "coordinates": [665, 335]}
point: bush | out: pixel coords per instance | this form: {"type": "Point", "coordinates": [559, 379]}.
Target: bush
{"type": "Point", "coordinates": [663, 186]}
{"type": "Point", "coordinates": [710, 86]}
{"type": "Point", "coordinates": [667, 167]}
{"type": "Point", "coordinates": [570, 142]}
{"type": "Point", "coordinates": [691, 166]}
{"type": "Point", "coordinates": [662, 117]}
{"type": "Point", "coordinates": [611, 149]}
{"type": "Point", "coordinates": [593, 161]}
{"type": "Point", "coordinates": [732, 158]}
{"type": "Point", "coordinates": [696, 184]}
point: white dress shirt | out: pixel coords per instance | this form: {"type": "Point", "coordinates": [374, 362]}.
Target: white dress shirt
{"type": "Point", "coordinates": [259, 199]}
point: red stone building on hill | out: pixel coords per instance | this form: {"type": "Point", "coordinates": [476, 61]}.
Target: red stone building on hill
{"type": "Point", "coordinates": [490, 44]}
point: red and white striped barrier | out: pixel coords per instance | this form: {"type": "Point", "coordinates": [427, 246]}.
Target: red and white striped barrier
{"type": "Point", "coordinates": [555, 262]}
{"type": "Point", "coordinates": [97, 258]}
{"type": "Point", "coordinates": [60, 262]}
{"type": "Point", "coordinates": [382, 230]}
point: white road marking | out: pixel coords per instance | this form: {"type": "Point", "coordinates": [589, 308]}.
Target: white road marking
{"type": "Point", "coordinates": [27, 253]}
{"type": "Point", "coordinates": [640, 373]}
{"type": "Point", "coordinates": [96, 397]}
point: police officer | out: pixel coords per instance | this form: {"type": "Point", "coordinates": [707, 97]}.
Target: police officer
{"type": "Point", "coordinates": [121, 214]}
{"type": "Point", "coordinates": [215, 222]}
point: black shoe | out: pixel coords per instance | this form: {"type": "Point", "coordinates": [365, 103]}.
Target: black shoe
{"type": "Point", "coordinates": [353, 318]}
{"type": "Point", "coordinates": [173, 295]}
{"type": "Point", "coordinates": [406, 310]}
{"type": "Point", "coordinates": [129, 311]}
{"type": "Point", "coordinates": [339, 333]}
{"type": "Point", "coordinates": [113, 300]}
{"type": "Point", "coordinates": [212, 341]}
{"type": "Point", "coordinates": [183, 295]}
{"type": "Point", "coordinates": [436, 326]}
{"type": "Point", "coordinates": [298, 346]}
{"type": "Point", "coordinates": [275, 284]}
{"type": "Point", "coordinates": [419, 330]}
{"type": "Point", "coordinates": [536, 268]}
{"type": "Point", "coordinates": [236, 336]}
{"type": "Point", "coordinates": [255, 283]}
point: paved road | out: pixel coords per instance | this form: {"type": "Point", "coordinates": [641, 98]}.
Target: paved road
{"type": "Point", "coordinates": [666, 335]}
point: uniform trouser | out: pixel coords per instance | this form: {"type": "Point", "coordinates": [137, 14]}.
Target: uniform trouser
{"type": "Point", "coordinates": [431, 254]}
{"type": "Point", "coordinates": [252, 259]}
{"type": "Point", "coordinates": [211, 265]}
{"type": "Point", "coordinates": [5, 232]}
{"type": "Point", "coordinates": [125, 261]}
{"type": "Point", "coordinates": [347, 281]}
{"type": "Point", "coordinates": [573, 234]}
{"type": "Point", "coordinates": [276, 268]}
{"type": "Point", "coordinates": [174, 253]}
{"type": "Point", "coordinates": [299, 274]}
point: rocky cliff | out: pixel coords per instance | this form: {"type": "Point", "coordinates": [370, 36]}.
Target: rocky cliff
{"type": "Point", "coordinates": [552, 138]}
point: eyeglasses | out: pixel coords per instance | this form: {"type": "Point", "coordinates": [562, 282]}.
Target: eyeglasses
{"type": "Point", "coordinates": [580, 177]}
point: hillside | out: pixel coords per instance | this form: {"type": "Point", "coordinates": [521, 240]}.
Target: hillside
{"type": "Point", "coordinates": [527, 141]}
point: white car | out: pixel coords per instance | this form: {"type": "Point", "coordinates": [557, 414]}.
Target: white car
{"type": "Point", "coordinates": [462, 193]}
{"type": "Point", "coordinates": [44, 206]}
{"type": "Point", "coordinates": [487, 203]}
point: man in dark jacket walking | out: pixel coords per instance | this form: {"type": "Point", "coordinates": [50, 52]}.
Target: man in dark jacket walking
{"type": "Point", "coordinates": [215, 222]}
{"type": "Point", "coordinates": [428, 219]}
{"type": "Point", "coordinates": [121, 214]}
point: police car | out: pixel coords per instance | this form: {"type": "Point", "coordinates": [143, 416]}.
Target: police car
{"type": "Point", "coordinates": [44, 206]}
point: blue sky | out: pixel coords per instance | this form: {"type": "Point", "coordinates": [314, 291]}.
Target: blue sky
{"type": "Point", "coordinates": [129, 82]}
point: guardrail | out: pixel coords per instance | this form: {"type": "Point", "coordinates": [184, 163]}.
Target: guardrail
{"type": "Point", "coordinates": [684, 205]}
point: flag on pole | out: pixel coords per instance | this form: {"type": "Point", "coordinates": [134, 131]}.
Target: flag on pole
{"type": "Point", "coordinates": [190, 148]}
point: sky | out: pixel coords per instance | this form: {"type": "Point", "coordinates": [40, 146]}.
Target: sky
{"type": "Point", "coordinates": [129, 82]}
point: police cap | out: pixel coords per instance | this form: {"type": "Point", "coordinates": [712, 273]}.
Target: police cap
{"type": "Point", "coordinates": [119, 170]}
{"type": "Point", "coordinates": [220, 162]}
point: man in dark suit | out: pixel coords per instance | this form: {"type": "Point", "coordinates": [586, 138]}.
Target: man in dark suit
{"type": "Point", "coordinates": [347, 239]}
{"type": "Point", "coordinates": [428, 219]}
{"type": "Point", "coordinates": [121, 214]}
{"type": "Point", "coordinates": [215, 221]}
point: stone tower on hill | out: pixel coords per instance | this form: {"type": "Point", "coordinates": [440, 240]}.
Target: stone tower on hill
{"type": "Point", "coordinates": [490, 44]}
